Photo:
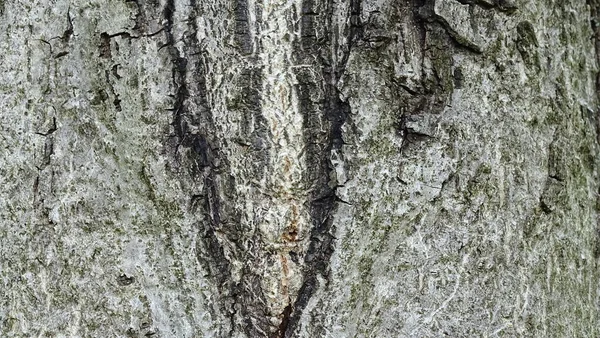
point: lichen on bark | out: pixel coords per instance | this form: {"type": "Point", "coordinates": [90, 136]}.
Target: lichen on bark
{"type": "Point", "coordinates": [303, 168]}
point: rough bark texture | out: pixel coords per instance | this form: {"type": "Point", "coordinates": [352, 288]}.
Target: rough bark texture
{"type": "Point", "coordinates": [299, 168]}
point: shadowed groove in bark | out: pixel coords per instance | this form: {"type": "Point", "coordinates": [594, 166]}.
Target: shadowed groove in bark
{"type": "Point", "coordinates": [595, 24]}
{"type": "Point", "coordinates": [197, 149]}
{"type": "Point", "coordinates": [243, 37]}
{"type": "Point", "coordinates": [249, 307]}
{"type": "Point", "coordinates": [594, 6]}
{"type": "Point", "coordinates": [429, 96]}
{"type": "Point", "coordinates": [323, 121]}
{"type": "Point", "coordinates": [197, 153]}
{"type": "Point", "coordinates": [333, 113]}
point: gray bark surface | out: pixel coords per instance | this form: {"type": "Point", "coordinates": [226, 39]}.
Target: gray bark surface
{"type": "Point", "coordinates": [299, 168]}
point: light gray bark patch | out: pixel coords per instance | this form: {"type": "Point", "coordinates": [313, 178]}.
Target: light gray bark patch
{"type": "Point", "coordinates": [140, 17]}
{"type": "Point", "coordinates": [450, 14]}
{"type": "Point", "coordinates": [470, 24]}
{"type": "Point", "coordinates": [107, 41]}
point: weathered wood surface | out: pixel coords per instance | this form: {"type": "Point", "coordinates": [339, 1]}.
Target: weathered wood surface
{"type": "Point", "coordinates": [298, 168]}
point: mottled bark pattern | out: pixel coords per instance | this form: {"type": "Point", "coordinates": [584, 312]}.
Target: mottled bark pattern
{"type": "Point", "coordinates": [299, 168]}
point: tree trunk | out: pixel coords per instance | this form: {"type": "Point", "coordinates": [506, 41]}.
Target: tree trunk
{"type": "Point", "coordinates": [299, 168]}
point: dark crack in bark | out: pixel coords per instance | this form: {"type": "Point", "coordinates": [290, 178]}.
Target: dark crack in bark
{"type": "Point", "coordinates": [196, 147]}
{"type": "Point", "coordinates": [324, 115]}
{"type": "Point", "coordinates": [427, 14]}
{"type": "Point", "coordinates": [429, 95]}
{"type": "Point", "coordinates": [594, 6]}
{"type": "Point", "coordinates": [195, 150]}
{"type": "Point", "coordinates": [243, 37]}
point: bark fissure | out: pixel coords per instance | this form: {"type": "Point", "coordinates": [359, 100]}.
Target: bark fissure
{"type": "Point", "coordinates": [196, 150]}
{"type": "Point", "coordinates": [242, 27]}
{"type": "Point", "coordinates": [323, 122]}
{"type": "Point", "coordinates": [296, 168]}
{"type": "Point", "coordinates": [594, 6]}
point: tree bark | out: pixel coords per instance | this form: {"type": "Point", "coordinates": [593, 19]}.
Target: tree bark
{"type": "Point", "coordinates": [299, 168]}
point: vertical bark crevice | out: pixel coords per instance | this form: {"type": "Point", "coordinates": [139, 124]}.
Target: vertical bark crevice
{"type": "Point", "coordinates": [322, 105]}
{"type": "Point", "coordinates": [243, 38]}
{"type": "Point", "coordinates": [199, 148]}
{"type": "Point", "coordinates": [429, 95]}
{"type": "Point", "coordinates": [594, 6]}
{"type": "Point", "coordinates": [195, 149]}
{"type": "Point", "coordinates": [325, 113]}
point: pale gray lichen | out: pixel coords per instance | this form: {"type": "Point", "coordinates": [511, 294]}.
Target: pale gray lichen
{"type": "Point", "coordinates": [298, 168]}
